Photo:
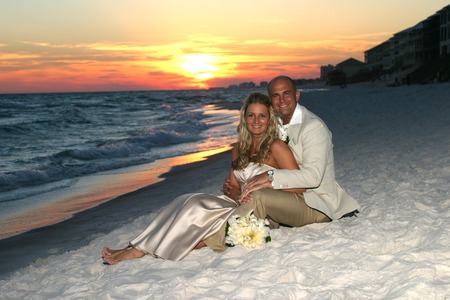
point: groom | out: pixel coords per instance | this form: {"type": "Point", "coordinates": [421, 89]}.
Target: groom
{"type": "Point", "coordinates": [310, 141]}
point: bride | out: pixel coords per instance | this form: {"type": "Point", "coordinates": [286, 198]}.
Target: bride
{"type": "Point", "coordinates": [190, 219]}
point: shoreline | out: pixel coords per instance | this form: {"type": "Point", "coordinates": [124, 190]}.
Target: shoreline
{"type": "Point", "coordinates": [24, 249]}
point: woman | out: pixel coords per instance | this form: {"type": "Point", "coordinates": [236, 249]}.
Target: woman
{"type": "Point", "coordinates": [188, 220]}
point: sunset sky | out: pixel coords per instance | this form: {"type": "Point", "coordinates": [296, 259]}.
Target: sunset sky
{"type": "Point", "coordinates": [113, 45]}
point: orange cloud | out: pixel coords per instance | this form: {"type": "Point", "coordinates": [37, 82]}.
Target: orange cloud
{"type": "Point", "coordinates": [198, 62]}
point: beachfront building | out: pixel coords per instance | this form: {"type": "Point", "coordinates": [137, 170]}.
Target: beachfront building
{"type": "Point", "coordinates": [415, 48]}
{"type": "Point", "coordinates": [324, 71]}
{"type": "Point", "coordinates": [420, 53]}
{"type": "Point", "coordinates": [380, 56]}
{"type": "Point", "coordinates": [417, 45]}
{"type": "Point", "coordinates": [430, 41]}
{"type": "Point", "coordinates": [406, 51]}
{"type": "Point", "coordinates": [350, 67]}
{"type": "Point", "coordinates": [444, 31]}
{"type": "Point", "coordinates": [342, 73]}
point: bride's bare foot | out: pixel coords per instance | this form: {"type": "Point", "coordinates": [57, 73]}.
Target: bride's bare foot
{"type": "Point", "coordinates": [107, 252]}
{"type": "Point", "coordinates": [113, 257]}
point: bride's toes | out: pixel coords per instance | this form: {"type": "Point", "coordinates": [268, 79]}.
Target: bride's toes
{"type": "Point", "coordinates": [113, 257]}
{"type": "Point", "coordinates": [108, 252]}
{"type": "Point", "coordinates": [105, 252]}
{"type": "Point", "coordinates": [110, 261]}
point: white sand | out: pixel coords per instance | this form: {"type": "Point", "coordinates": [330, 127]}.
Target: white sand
{"type": "Point", "coordinates": [392, 151]}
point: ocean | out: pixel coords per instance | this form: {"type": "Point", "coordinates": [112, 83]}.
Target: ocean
{"type": "Point", "coordinates": [55, 147]}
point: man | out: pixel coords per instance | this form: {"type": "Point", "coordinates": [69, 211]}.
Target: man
{"type": "Point", "coordinates": [310, 141]}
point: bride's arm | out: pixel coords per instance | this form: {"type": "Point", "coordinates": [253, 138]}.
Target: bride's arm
{"type": "Point", "coordinates": [231, 186]}
{"type": "Point", "coordinates": [284, 159]}
{"type": "Point", "coordinates": [281, 158]}
{"type": "Point", "coordinates": [234, 187]}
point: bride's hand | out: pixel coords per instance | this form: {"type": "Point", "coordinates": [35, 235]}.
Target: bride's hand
{"type": "Point", "coordinates": [245, 197]}
{"type": "Point", "coordinates": [259, 182]}
{"type": "Point", "coordinates": [226, 187]}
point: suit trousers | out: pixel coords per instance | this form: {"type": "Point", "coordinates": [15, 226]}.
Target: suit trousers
{"type": "Point", "coordinates": [279, 207]}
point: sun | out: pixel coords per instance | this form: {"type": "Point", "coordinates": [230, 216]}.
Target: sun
{"type": "Point", "coordinates": [198, 66]}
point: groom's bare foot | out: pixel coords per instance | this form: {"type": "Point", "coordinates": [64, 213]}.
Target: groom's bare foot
{"type": "Point", "coordinates": [113, 257]}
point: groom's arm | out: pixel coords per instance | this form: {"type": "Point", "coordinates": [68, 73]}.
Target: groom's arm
{"type": "Point", "coordinates": [316, 148]}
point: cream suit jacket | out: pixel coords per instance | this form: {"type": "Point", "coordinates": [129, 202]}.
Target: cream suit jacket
{"type": "Point", "coordinates": [310, 141]}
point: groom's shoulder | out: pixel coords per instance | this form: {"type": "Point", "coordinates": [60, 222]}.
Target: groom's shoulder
{"type": "Point", "coordinates": [309, 118]}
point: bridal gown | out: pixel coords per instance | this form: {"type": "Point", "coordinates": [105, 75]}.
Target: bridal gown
{"type": "Point", "coordinates": [189, 219]}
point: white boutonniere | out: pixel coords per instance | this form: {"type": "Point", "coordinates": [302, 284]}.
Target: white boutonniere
{"type": "Point", "coordinates": [247, 231]}
{"type": "Point", "coordinates": [283, 133]}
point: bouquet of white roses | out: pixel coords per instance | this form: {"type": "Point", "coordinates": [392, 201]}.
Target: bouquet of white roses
{"type": "Point", "coordinates": [247, 231]}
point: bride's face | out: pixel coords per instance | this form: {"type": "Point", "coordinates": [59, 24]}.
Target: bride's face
{"type": "Point", "coordinates": [257, 118]}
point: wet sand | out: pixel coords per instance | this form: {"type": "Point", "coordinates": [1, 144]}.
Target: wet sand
{"type": "Point", "coordinates": [19, 251]}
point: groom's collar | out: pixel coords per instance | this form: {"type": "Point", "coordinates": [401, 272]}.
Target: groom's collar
{"type": "Point", "coordinates": [297, 116]}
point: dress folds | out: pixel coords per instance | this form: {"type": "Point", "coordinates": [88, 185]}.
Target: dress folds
{"type": "Point", "coordinates": [189, 219]}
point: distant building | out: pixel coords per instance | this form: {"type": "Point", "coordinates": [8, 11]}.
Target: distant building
{"type": "Point", "coordinates": [444, 31]}
{"type": "Point", "coordinates": [324, 71]}
{"type": "Point", "coordinates": [247, 85]}
{"type": "Point", "coordinates": [350, 67]}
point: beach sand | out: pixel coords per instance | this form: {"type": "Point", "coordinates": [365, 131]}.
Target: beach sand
{"type": "Point", "coordinates": [392, 153]}
{"type": "Point", "coordinates": [78, 231]}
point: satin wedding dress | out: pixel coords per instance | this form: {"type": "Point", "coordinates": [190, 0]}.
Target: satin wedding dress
{"type": "Point", "coordinates": [189, 219]}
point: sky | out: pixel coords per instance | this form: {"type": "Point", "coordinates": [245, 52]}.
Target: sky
{"type": "Point", "coordinates": [118, 45]}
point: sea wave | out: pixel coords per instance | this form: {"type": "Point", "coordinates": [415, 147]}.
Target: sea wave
{"type": "Point", "coordinates": [47, 138]}
{"type": "Point", "coordinates": [101, 156]}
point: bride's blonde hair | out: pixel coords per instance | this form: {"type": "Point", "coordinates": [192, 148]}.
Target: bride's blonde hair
{"type": "Point", "coordinates": [262, 150]}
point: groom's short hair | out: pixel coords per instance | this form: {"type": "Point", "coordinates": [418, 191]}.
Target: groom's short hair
{"type": "Point", "coordinates": [282, 77]}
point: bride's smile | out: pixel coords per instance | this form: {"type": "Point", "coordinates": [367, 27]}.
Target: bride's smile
{"type": "Point", "coordinates": [257, 118]}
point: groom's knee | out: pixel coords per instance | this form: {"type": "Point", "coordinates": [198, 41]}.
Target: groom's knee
{"type": "Point", "coordinates": [263, 195]}
{"type": "Point", "coordinates": [259, 196]}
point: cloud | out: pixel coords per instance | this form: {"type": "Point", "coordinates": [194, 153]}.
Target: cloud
{"type": "Point", "coordinates": [134, 63]}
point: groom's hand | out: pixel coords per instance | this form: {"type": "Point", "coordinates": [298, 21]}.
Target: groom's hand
{"type": "Point", "coordinates": [259, 182]}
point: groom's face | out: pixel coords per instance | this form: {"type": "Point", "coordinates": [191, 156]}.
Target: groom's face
{"type": "Point", "coordinates": [284, 97]}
